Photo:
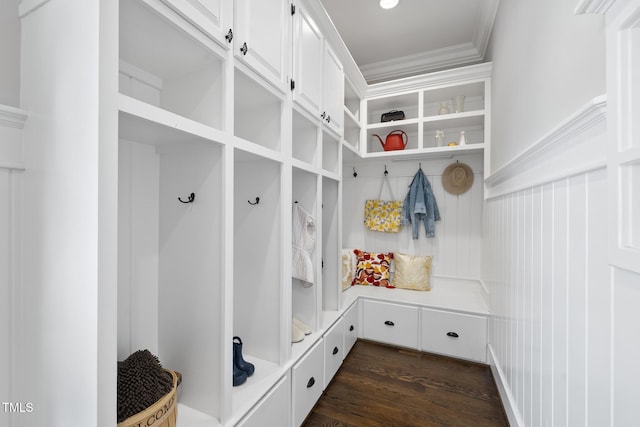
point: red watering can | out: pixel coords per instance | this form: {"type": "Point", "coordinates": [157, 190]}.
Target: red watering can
{"type": "Point", "coordinates": [396, 140]}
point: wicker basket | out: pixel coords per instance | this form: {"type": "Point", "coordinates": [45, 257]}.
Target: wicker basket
{"type": "Point", "coordinates": [163, 413]}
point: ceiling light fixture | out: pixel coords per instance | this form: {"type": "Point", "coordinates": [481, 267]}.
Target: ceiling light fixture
{"type": "Point", "coordinates": [388, 4]}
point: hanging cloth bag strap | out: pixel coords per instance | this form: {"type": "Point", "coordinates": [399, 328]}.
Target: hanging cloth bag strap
{"type": "Point", "coordinates": [385, 180]}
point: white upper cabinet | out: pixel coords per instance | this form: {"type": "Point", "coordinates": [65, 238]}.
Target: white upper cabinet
{"type": "Point", "coordinates": [307, 62]}
{"type": "Point", "coordinates": [213, 17]}
{"type": "Point", "coordinates": [318, 78]}
{"type": "Point", "coordinates": [261, 35]}
{"type": "Point", "coordinates": [333, 91]}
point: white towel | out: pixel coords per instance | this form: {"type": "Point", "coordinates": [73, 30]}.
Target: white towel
{"type": "Point", "coordinates": [304, 239]}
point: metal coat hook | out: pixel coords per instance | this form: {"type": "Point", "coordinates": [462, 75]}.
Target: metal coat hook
{"type": "Point", "coordinates": [191, 198]}
{"type": "Point", "coordinates": [254, 203]}
{"type": "Point", "coordinates": [420, 165]}
{"type": "Point", "coordinates": [355, 174]}
{"type": "Point", "coordinates": [386, 172]}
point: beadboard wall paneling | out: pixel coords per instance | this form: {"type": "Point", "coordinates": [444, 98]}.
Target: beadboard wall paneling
{"type": "Point", "coordinates": [11, 173]}
{"type": "Point", "coordinates": [456, 247]}
{"type": "Point", "coordinates": [546, 271]}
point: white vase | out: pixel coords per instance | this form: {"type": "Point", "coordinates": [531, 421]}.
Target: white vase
{"type": "Point", "coordinates": [463, 140]}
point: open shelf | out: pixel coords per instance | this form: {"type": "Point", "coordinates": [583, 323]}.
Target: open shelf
{"type": "Point", "coordinates": [473, 94]}
{"type": "Point", "coordinates": [257, 112]}
{"type": "Point", "coordinates": [406, 102]}
{"type": "Point", "coordinates": [330, 153]}
{"type": "Point", "coordinates": [304, 138]}
{"type": "Point", "coordinates": [169, 254]}
{"type": "Point", "coordinates": [168, 64]}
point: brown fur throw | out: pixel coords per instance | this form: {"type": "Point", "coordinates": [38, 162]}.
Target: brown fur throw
{"type": "Point", "coordinates": [141, 383]}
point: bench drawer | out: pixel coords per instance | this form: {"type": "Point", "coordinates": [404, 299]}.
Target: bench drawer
{"type": "Point", "coordinates": [391, 323]}
{"type": "Point", "coordinates": [454, 334]}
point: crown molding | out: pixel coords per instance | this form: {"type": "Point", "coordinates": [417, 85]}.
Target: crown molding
{"type": "Point", "coordinates": [485, 26]}
{"type": "Point", "coordinates": [593, 7]}
{"type": "Point", "coordinates": [421, 63]}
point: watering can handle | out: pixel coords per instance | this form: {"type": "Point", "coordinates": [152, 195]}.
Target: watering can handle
{"type": "Point", "coordinates": [405, 137]}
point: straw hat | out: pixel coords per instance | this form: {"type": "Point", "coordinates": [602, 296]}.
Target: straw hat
{"type": "Point", "coordinates": [457, 178]}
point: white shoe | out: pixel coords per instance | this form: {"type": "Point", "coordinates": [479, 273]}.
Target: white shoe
{"type": "Point", "coordinates": [306, 329]}
{"type": "Point", "coordinates": [296, 334]}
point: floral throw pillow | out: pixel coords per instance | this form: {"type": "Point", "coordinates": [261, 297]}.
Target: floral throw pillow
{"type": "Point", "coordinates": [372, 269]}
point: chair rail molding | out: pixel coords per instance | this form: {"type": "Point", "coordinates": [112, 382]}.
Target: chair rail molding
{"type": "Point", "coordinates": [578, 138]}
{"type": "Point", "coordinates": [27, 6]}
{"type": "Point", "coordinates": [12, 122]}
{"type": "Point", "coordinates": [593, 7]}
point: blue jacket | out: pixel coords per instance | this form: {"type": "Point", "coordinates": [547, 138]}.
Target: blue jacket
{"type": "Point", "coordinates": [420, 205]}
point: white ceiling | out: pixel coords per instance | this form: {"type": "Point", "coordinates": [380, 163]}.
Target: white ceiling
{"type": "Point", "coordinates": [415, 37]}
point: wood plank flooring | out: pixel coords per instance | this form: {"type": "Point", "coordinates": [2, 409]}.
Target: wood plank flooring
{"type": "Point", "coordinates": [379, 385]}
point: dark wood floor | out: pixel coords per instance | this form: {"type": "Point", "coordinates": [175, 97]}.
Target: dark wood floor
{"type": "Point", "coordinates": [379, 385]}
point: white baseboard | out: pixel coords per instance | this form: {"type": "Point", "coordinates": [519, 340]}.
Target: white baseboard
{"type": "Point", "coordinates": [508, 401]}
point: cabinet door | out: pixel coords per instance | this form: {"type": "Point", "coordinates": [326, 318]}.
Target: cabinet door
{"type": "Point", "coordinates": [262, 28]}
{"type": "Point", "coordinates": [391, 323]}
{"type": "Point", "coordinates": [213, 17]}
{"type": "Point", "coordinates": [333, 91]}
{"type": "Point", "coordinates": [333, 351]}
{"type": "Point", "coordinates": [274, 409]}
{"type": "Point", "coordinates": [454, 334]}
{"type": "Point", "coordinates": [351, 328]}
{"type": "Point", "coordinates": [307, 62]}
{"type": "Point", "coordinates": [307, 378]}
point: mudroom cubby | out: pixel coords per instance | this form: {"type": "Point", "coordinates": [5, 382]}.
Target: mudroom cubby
{"type": "Point", "coordinates": [330, 244]}
{"type": "Point", "coordinates": [351, 115]}
{"type": "Point", "coordinates": [304, 304]}
{"type": "Point", "coordinates": [258, 110]}
{"type": "Point", "coordinates": [330, 152]}
{"type": "Point", "coordinates": [167, 63]}
{"type": "Point", "coordinates": [471, 125]}
{"type": "Point", "coordinates": [257, 258]}
{"type": "Point", "coordinates": [170, 255]}
{"type": "Point", "coordinates": [304, 137]}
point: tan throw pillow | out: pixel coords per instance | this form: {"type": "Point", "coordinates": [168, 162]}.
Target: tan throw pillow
{"type": "Point", "coordinates": [349, 260]}
{"type": "Point", "coordinates": [412, 272]}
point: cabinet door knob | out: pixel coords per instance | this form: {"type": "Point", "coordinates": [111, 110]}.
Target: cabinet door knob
{"type": "Point", "coordinates": [229, 35]}
{"type": "Point", "coordinates": [351, 328]}
{"type": "Point", "coordinates": [311, 382]}
{"type": "Point", "coordinates": [335, 350]}
{"type": "Point", "coordinates": [389, 323]}
{"type": "Point", "coordinates": [328, 119]}
{"type": "Point", "coordinates": [244, 49]}
{"type": "Point", "coordinates": [452, 334]}
{"type": "Point", "coordinates": [323, 115]}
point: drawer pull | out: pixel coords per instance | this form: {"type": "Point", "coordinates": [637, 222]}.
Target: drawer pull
{"type": "Point", "coordinates": [335, 350]}
{"type": "Point", "coordinates": [452, 334]}
{"type": "Point", "coordinates": [389, 323]}
{"type": "Point", "coordinates": [351, 328]}
{"type": "Point", "coordinates": [311, 382]}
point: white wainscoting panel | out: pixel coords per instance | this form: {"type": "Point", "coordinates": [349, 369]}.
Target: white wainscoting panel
{"type": "Point", "coordinates": [456, 247]}
{"type": "Point", "coordinates": [550, 300]}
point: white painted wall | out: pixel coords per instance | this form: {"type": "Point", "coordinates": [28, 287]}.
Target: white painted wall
{"type": "Point", "coordinates": [456, 247]}
{"type": "Point", "coordinates": [547, 62]}
{"type": "Point", "coordinates": [10, 53]}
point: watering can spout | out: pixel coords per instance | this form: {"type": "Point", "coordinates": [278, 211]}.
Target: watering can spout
{"type": "Point", "coordinates": [379, 139]}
